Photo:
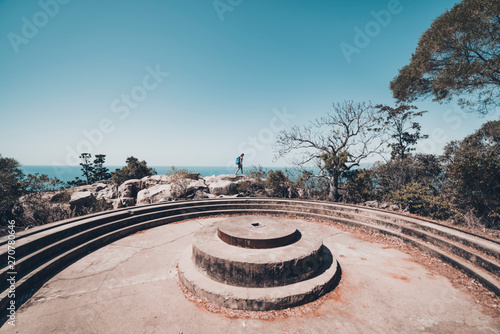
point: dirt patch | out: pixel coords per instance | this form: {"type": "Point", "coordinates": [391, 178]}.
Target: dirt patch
{"type": "Point", "coordinates": [400, 277]}
{"type": "Point", "coordinates": [482, 296]}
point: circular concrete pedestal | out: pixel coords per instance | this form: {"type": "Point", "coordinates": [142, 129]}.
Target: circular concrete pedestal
{"type": "Point", "coordinates": [256, 233]}
{"type": "Point", "coordinates": [236, 271]}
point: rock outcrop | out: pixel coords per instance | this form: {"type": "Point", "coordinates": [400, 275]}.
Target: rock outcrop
{"type": "Point", "coordinates": [162, 188]}
{"type": "Point", "coordinates": [127, 192]}
{"type": "Point", "coordinates": [104, 195]}
{"type": "Point", "coordinates": [80, 200]}
{"type": "Point", "coordinates": [37, 208]}
{"type": "Point", "coordinates": [224, 184]}
{"type": "Point", "coordinates": [155, 194]}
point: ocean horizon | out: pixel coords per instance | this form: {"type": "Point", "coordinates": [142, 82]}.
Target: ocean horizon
{"type": "Point", "coordinates": [69, 173]}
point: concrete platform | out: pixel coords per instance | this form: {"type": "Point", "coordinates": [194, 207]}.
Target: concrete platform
{"type": "Point", "coordinates": [260, 232]}
{"type": "Point", "coordinates": [258, 267]}
{"type": "Point", "coordinates": [131, 286]}
{"type": "Point", "coordinates": [257, 299]}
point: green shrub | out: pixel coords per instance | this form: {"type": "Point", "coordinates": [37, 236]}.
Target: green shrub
{"type": "Point", "coordinates": [256, 186]}
{"type": "Point", "coordinates": [472, 172]}
{"type": "Point", "coordinates": [245, 188]}
{"type": "Point", "coordinates": [251, 188]}
{"type": "Point", "coordinates": [359, 186]}
{"type": "Point", "coordinates": [11, 187]}
{"type": "Point", "coordinates": [183, 173]}
{"type": "Point", "coordinates": [257, 172]}
{"type": "Point", "coordinates": [395, 174]}
{"type": "Point", "coordinates": [423, 201]}
{"type": "Point", "coordinates": [277, 183]}
{"type": "Point", "coordinates": [306, 185]}
{"type": "Point", "coordinates": [135, 169]}
{"type": "Point", "coordinates": [38, 206]}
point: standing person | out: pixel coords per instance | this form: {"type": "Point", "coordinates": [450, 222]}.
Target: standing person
{"type": "Point", "coordinates": [239, 162]}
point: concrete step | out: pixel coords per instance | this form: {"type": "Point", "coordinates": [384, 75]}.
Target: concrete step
{"type": "Point", "coordinates": [259, 299]}
{"type": "Point", "coordinates": [239, 266]}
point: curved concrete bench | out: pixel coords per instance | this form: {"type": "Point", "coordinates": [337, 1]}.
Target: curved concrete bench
{"type": "Point", "coordinates": [44, 251]}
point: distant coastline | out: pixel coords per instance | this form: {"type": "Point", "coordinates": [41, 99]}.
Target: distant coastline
{"type": "Point", "coordinates": [68, 173]}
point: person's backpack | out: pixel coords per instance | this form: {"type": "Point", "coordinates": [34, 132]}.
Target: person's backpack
{"type": "Point", "coordinates": [238, 160]}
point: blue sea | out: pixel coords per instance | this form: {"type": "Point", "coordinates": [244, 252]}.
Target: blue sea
{"type": "Point", "coordinates": [68, 173]}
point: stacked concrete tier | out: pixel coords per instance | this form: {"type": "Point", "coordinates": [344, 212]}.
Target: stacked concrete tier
{"type": "Point", "coordinates": [293, 269]}
{"type": "Point", "coordinates": [257, 234]}
{"type": "Point", "coordinates": [251, 267]}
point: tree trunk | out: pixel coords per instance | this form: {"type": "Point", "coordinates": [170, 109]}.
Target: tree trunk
{"type": "Point", "coordinates": [334, 188]}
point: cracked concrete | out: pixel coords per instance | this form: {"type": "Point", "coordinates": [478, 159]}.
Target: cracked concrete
{"type": "Point", "coordinates": [131, 286]}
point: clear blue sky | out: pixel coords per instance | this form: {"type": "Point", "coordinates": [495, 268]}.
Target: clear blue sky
{"type": "Point", "coordinates": [68, 68]}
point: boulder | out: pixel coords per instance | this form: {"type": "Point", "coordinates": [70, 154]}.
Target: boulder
{"type": "Point", "coordinates": [185, 187]}
{"type": "Point", "coordinates": [394, 207]}
{"type": "Point", "coordinates": [129, 188]}
{"type": "Point", "coordinates": [116, 203]}
{"type": "Point", "coordinates": [109, 193]}
{"type": "Point", "coordinates": [223, 187]}
{"type": "Point", "coordinates": [199, 194]}
{"type": "Point", "coordinates": [150, 181]}
{"type": "Point", "coordinates": [80, 200]}
{"type": "Point", "coordinates": [127, 192]}
{"type": "Point", "coordinates": [226, 177]}
{"type": "Point", "coordinates": [155, 194]}
{"type": "Point", "coordinates": [126, 201]}
{"type": "Point", "coordinates": [153, 180]}
{"type": "Point", "coordinates": [99, 186]}
{"type": "Point", "coordinates": [197, 185]}
{"type": "Point", "coordinates": [95, 187]}
{"type": "Point", "coordinates": [224, 184]}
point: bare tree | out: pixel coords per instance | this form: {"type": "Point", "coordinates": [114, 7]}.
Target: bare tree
{"type": "Point", "coordinates": [402, 129]}
{"type": "Point", "coordinates": [335, 143]}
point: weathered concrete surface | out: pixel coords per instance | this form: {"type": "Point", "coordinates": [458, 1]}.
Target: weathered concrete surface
{"type": "Point", "coordinates": [131, 286]}
{"type": "Point", "coordinates": [258, 267]}
{"type": "Point", "coordinates": [243, 297]}
{"type": "Point", "coordinates": [250, 232]}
